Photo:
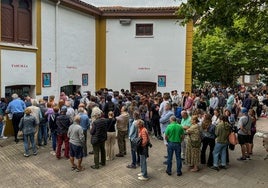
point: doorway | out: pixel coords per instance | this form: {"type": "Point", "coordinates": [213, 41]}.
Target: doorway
{"type": "Point", "coordinates": [70, 89]}
{"type": "Point", "coordinates": [145, 87]}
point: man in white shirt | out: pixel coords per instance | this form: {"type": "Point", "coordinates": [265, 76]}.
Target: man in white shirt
{"type": "Point", "coordinates": [213, 103]}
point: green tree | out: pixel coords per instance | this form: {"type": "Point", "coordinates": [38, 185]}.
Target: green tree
{"type": "Point", "coordinates": [231, 38]}
{"type": "Point", "coordinates": [211, 59]}
{"type": "Point", "coordinates": [223, 14]}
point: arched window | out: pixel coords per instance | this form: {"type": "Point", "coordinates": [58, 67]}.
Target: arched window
{"type": "Point", "coordinates": [16, 21]}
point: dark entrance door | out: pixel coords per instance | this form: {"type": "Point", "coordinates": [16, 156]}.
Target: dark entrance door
{"type": "Point", "coordinates": [21, 90]}
{"type": "Point", "coordinates": [69, 89]}
{"type": "Point", "coordinates": [145, 87]}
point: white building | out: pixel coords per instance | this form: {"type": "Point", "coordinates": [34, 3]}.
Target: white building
{"type": "Point", "coordinates": [48, 46]}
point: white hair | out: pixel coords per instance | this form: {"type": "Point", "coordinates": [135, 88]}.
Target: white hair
{"type": "Point", "coordinates": [34, 102]}
{"type": "Point", "coordinates": [15, 96]}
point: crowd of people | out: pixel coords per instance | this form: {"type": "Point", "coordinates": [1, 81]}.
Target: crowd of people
{"type": "Point", "coordinates": [186, 123]}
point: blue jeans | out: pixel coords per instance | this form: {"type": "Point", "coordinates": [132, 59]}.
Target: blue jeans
{"type": "Point", "coordinates": [219, 150]}
{"type": "Point", "coordinates": [54, 139]}
{"type": "Point", "coordinates": [42, 134]}
{"type": "Point", "coordinates": [1, 128]}
{"type": "Point", "coordinates": [130, 121]}
{"type": "Point", "coordinates": [134, 154]}
{"type": "Point", "coordinates": [143, 164]}
{"type": "Point", "coordinates": [174, 147]}
{"type": "Point", "coordinates": [26, 144]}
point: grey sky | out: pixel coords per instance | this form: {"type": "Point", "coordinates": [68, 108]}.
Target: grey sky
{"type": "Point", "coordinates": [135, 3]}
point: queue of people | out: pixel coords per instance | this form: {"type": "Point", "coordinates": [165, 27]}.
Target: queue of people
{"type": "Point", "coordinates": [187, 124]}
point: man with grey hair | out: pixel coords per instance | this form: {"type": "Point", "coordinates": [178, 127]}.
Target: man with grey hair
{"type": "Point", "coordinates": [70, 111]}
{"type": "Point", "coordinates": [84, 123]}
{"type": "Point", "coordinates": [75, 133]}
{"type": "Point", "coordinates": [95, 111]}
{"type": "Point", "coordinates": [122, 126]}
{"type": "Point", "coordinates": [98, 133]}
{"type": "Point", "coordinates": [164, 121]}
{"type": "Point", "coordinates": [185, 123]}
{"type": "Point", "coordinates": [16, 107]}
{"type": "Point", "coordinates": [174, 134]}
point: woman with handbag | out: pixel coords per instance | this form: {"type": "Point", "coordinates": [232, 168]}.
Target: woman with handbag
{"type": "Point", "coordinates": [27, 126]}
{"type": "Point", "coordinates": [193, 145]}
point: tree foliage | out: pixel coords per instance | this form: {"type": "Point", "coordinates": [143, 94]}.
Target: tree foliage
{"type": "Point", "coordinates": [231, 38]}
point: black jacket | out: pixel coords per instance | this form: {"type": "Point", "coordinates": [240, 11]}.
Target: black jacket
{"type": "Point", "coordinates": [99, 131]}
{"type": "Point", "coordinates": [63, 123]}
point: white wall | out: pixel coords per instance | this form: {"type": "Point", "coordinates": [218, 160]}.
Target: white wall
{"type": "Point", "coordinates": [68, 47]}
{"type": "Point", "coordinates": [17, 68]}
{"type": "Point", "coordinates": [142, 59]}
{"type": "Point", "coordinates": [48, 47]}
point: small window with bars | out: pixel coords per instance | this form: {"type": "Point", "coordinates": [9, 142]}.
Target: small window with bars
{"type": "Point", "coordinates": [144, 29]}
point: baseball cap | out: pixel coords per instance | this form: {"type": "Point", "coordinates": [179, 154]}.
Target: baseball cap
{"type": "Point", "coordinates": [63, 109]}
{"type": "Point", "coordinates": [244, 110]}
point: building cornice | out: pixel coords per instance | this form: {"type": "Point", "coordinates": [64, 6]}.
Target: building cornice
{"type": "Point", "coordinates": [139, 12]}
{"type": "Point", "coordinates": [80, 6]}
{"type": "Point", "coordinates": [119, 11]}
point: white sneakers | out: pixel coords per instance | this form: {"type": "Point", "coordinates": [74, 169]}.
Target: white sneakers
{"type": "Point", "coordinates": [141, 177]}
{"type": "Point", "coordinates": [3, 137]}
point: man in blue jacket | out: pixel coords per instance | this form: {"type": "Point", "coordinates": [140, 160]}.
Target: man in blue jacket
{"type": "Point", "coordinates": [16, 107]}
{"type": "Point", "coordinates": [164, 121]}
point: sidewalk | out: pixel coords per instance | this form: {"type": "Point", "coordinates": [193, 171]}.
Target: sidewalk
{"type": "Point", "coordinates": [44, 170]}
{"type": "Point", "coordinates": [262, 124]}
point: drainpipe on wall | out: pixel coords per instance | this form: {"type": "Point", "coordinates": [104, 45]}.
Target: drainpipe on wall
{"type": "Point", "coordinates": [56, 45]}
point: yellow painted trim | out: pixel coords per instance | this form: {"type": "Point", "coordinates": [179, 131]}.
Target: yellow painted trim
{"type": "Point", "coordinates": [0, 50]}
{"type": "Point", "coordinates": [100, 72]}
{"type": "Point", "coordinates": [39, 49]}
{"type": "Point", "coordinates": [15, 48]}
{"type": "Point", "coordinates": [0, 68]}
{"type": "Point", "coordinates": [0, 27]}
{"type": "Point", "coordinates": [188, 57]}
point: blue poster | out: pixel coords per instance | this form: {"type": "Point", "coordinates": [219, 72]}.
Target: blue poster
{"type": "Point", "coordinates": [161, 81]}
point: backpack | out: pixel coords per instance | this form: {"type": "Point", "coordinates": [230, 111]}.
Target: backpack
{"type": "Point", "coordinates": [117, 110]}
{"type": "Point", "coordinates": [111, 106]}
{"type": "Point", "coordinates": [43, 118]}
{"type": "Point", "coordinates": [52, 122]}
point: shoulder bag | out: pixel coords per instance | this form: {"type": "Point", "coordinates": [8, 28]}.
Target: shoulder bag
{"type": "Point", "coordinates": [233, 138]}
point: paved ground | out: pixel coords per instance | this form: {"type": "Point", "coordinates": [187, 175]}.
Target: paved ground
{"type": "Point", "coordinates": [44, 170]}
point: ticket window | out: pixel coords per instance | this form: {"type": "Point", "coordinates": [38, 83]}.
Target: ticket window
{"type": "Point", "coordinates": [21, 90]}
